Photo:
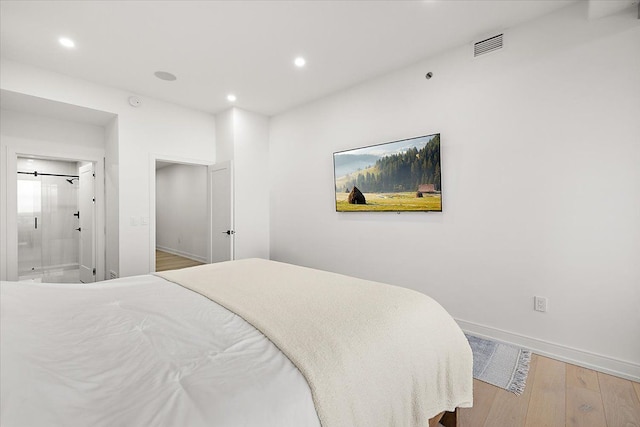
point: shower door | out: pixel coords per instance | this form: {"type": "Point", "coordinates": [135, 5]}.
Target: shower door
{"type": "Point", "coordinates": [59, 227]}
{"type": "Point", "coordinates": [47, 220]}
{"type": "Point", "coordinates": [29, 231]}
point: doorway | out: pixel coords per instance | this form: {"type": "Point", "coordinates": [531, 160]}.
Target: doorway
{"type": "Point", "coordinates": [189, 200]}
{"type": "Point", "coordinates": [181, 215]}
{"type": "Point", "coordinates": [51, 210]}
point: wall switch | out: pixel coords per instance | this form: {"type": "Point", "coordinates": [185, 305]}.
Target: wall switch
{"type": "Point", "coordinates": [134, 221]}
{"type": "Point", "coordinates": [540, 304]}
{"type": "Point", "coordinates": [144, 220]}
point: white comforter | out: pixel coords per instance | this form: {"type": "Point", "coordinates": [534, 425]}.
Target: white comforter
{"type": "Point", "coordinates": [374, 355]}
{"type": "Point", "coordinates": [139, 351]}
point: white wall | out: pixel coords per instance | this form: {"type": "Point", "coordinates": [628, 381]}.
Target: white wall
{"type": "Point", "coordinates": [20, 128]}
{"type": "Point", "coordinates": [243, 138]}
{"type": "Point", "coordinates": [225, 134]}
{"type": "Point", "coordinates": [156, 127]}
{"type": "Point", "coordinates": [112, 190]}
{"type": "Point", "coordinates": [29, 134]}
{"type": "Point", "coordinates": [181, 211]}
{"type": "Point", "coordinates": [251, 182]}
{"type": "Point", "coordinates": [541, 177]}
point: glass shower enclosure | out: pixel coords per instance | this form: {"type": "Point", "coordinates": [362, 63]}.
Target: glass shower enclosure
{"type": "Point", "coordinates": [48, 222]}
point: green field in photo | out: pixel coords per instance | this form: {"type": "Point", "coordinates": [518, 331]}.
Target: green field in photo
{"type": "Point", "coordinates": [391, 202]}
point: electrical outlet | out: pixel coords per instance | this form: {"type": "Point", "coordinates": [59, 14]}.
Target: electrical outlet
{"type": "Point", "coordinates": [540, 304]}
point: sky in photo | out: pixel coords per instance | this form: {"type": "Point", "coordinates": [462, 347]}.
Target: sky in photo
{"type": "Point", "coordinates": [347, 162]}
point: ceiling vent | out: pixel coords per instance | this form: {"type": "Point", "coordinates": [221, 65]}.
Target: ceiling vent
{"type": "Point", "coordinates": [488, 45]}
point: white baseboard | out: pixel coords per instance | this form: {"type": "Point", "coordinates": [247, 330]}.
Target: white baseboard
{"type": "Point", "coordinates": [182, 254]}
{"type": "Point", "coordinates": [597, 362]}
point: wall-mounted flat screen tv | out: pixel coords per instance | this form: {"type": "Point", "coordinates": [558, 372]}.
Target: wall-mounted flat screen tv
{"type": "Point", "coordinates": [397, 176]}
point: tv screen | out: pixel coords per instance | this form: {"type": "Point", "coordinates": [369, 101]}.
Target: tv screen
{"type": "Point", "coordinates": [397, 176]}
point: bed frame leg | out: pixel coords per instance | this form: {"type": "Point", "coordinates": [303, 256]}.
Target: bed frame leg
{"type": "Point", "coordinates": [447, 419]}
{"type": "Point", "coordinates": [450, 419]}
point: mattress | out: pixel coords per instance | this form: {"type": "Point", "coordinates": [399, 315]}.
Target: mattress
{"type": "Point", "coordinates": [243, 343]}
{"type": "Point", "coordinates": [373, 354]}
{"type": "Point", "coordinates": [139, 351]}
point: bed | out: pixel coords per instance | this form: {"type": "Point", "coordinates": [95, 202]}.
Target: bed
{"type": "Point", "coordinates": [241, 343]}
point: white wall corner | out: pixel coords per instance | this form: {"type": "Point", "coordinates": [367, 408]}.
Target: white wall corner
{"type": "Point", "coordinates": [243, 137]}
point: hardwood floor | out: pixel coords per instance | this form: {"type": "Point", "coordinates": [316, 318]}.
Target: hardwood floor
{"type": "Point", "coordinates": [557, 394]}
{"type": "Point", "coordinates": [167, 261]}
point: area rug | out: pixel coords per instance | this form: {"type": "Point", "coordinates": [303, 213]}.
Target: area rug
{"type": "Point", "coordinates": [499, 364]}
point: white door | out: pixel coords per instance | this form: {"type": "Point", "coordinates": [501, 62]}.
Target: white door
{"type": "Point", "coordinates": [221, 207]}
{"type": "Point", "coordinates": [87, 227]}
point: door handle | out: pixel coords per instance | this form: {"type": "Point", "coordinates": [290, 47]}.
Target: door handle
{"type": "Point", "coordinates": [36, 223]}
{"type": "Point", "coordinates": [229, 232]}
{"type": "Point", "coordinates": [77, 214]}
{"type": "Point", "coordinates": [79, 229]}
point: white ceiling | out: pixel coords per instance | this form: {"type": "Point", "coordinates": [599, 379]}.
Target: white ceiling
{"type": "Point", "coordinates": [246, 47]}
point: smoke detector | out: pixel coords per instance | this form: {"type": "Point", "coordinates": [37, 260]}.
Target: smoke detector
{"type": "Point", "coordinates": [134, 101]}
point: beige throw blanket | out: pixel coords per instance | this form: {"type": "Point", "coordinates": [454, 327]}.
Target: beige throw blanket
{"type": "Point", "coordinates": [373, 354]}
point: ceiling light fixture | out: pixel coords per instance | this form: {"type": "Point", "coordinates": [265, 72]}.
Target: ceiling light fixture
{"type": "Point", "coordinates": [300, 62]}
{"type": "Point", "coordinates": [67, 42]}
{"type": "Point", "coordinates": [231, 98]}
{"type": "Point", "coordinates": [164, 75]}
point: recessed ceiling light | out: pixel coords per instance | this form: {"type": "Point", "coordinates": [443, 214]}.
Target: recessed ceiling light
{"type": "Point", "coordinates": [67, 42]}
{"type": "Point", "coordinates": [231, 98]}
{"type": "Point", "coordinates": [299, 61]}
{"type": "Point", "coordinates": [163, 75]}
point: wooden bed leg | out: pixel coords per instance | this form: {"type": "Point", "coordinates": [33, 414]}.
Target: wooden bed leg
{"type": "Point", "coordinates": [434, 422]}
{"type": "Point", "coordinates": [447, 419]}
{"type": "Point", "coordinates": [450, 419]}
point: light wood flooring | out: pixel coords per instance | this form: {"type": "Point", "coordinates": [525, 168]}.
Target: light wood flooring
{"type": "Point", "coordinates": [557, 394]}
{"type": "Point", "coordinates": [167, 261]}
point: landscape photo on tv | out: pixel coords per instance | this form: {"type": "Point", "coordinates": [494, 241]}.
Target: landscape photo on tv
{"type": "Point", "coordinates": [395, 176]}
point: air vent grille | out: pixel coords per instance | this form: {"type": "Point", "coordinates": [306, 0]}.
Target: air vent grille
{"type": "Point", "coordinates": [488, 45]}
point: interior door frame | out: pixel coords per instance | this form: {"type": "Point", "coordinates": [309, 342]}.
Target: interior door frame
{"type": "Point", "coordinates": [11, 179]}
{"type": "Point", "coordinates": [152, 201]}
{"type": "Point", "coordinates": [82, 218]}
